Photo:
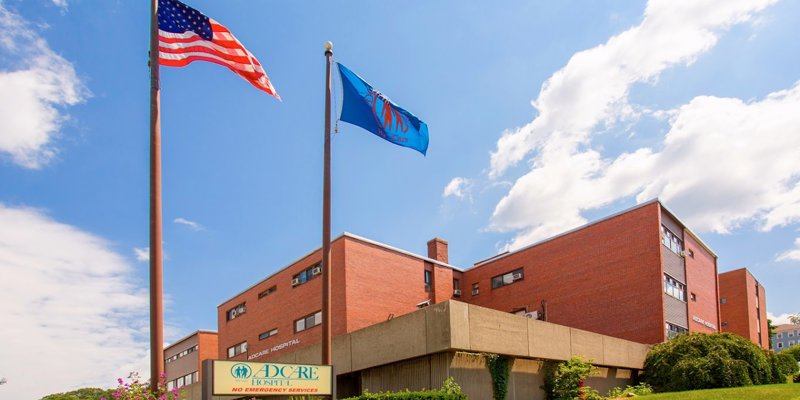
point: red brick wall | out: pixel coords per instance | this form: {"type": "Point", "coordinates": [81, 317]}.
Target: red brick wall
{"type": "Point", "coordinates": [605, 278]}
{"type": "Point", "coordinates": [738, 288]}
{"type": "Point", "coordinates": [701, 279]}
{"type": "Point", "coordinates": [207, 350]}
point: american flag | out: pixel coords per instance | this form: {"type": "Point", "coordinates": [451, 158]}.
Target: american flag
{"type": "Point", "coordinates": [186, 35]}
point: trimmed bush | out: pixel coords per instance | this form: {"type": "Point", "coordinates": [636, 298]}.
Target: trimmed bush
{"type": "Point", "coordinates": [450, 391]}
{"type": "Point", "coordinates": [702, 361]}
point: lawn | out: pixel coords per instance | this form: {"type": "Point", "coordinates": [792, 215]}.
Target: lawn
{"type": "Point", "coordinates": [787, 391]}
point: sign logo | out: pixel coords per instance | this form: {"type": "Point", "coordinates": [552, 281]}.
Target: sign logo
{"type": "Point", "coordinates": [392, 124]}
{"type": "Point", "coordinates": [241, 371]}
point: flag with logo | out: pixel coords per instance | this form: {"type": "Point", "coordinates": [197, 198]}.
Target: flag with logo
{"type": "Point", "coordinates": [186, 35]}
{"type": "Point", "coordinates": [370, 109]}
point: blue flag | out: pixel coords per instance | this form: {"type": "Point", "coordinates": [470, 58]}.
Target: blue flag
{"type": "Point", "coordinates": [370, 109]}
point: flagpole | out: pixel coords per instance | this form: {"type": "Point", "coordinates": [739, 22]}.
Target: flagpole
{"type": "Point", "coordinates": [156, 269]}
{"type": "Point", "coordinates": [326, 220]}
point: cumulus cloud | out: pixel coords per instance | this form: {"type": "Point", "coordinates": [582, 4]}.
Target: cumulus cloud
{"type": "Point", "coordinates": [458, 187]}
{"type": "Point", "coordinates": [68, 305]}
{"type": "Point", "coordinates": [779, 319]}
{"type": "Point", "coordinates": [793, 255]}
{"type": "Point", "coordinates": [142, 253]}
{"type": "Point", "coordinates": [722, 163]}
{"type": "Point", "coordinates": [61, 4]}
{"type": "Point", "coordinates": [191, 224]}
{"type": "Point", "coordinates": [36, 84]}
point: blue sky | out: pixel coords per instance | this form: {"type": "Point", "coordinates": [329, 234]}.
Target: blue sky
{"type": "Point", "coordinates": [542, 116]}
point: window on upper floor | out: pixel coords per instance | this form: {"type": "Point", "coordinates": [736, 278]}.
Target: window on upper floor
{"type": "Point", "coordinates": [268, 334]}
{"type": "Point", "coordinates": [456, 288]}
{"type": "Point", "coordinates": [674, 330]}
{"type": "Point", "coordinates": [475, 289]}
{"type": "Point", "coordinates": [267, 292]}
{"type": "Point", "coordinates": [507, 278]}
{"type": "Point", "coordinates": [674, 288]}
{"type": "Point", "coordinates": [236, 311]}
{"type": "Point", "coordinates": [237, 349]}
{"type": "Point", "coordinates": [779, 335]}
{"type": "Point", "coordinates": [790, 334]}
{"type": "Point", "coordinates": [671, 240]}
{"type": "Point", "coordinates": [308, 321]}
{"type": "Point", "coordinates": [780, 345]}
{"type": "Point", "coordinates": [428, 279]}
{"type": "Point", "coordinates": [307, 274]}
{"type": "Point", "coordinates": [693, 297]}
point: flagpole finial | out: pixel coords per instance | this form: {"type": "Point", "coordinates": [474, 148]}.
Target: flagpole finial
{"type": "Point", "coordinates": [328, 46]}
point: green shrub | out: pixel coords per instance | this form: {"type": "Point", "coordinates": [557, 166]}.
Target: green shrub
{"type": "Point", "coordinates": [564, 380]}
{"type": "Point", "coordinates": [702, 361]}
{"type": "Point", "coordinates": [641, 389]}
{"type": "Point", "coordinates": [450, 391]}
{"type": "Point", "coordinates": [783, 365]}
{"type": "Point", "coordinates": [794, 351]}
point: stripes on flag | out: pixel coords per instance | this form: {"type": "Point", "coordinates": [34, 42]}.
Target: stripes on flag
{"type": "Point", "coordinates": [179, 44]}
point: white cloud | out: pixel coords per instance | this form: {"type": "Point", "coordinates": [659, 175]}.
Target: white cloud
{"type": "Point", "coordinates": [191, 224]}
{"type": "Point", "coordinates": [33, 92]}
{"type": "Point", "coordinates": [723, 162]}
{"type": "Point", "coordinates": [793, 255]}
{"type": "Point", "coordinates": [61, 4]}
{"type": "Point", "coordinates": [779, 319]}
{"type": "Point", "coordinates": [68, 305]}
{"type": "Point", "coordinates": [458, 187]}
{"type": "Point", "coordinates": [142, 253]}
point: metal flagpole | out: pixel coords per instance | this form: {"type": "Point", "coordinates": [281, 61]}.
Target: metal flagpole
{"type": "Point", "coordinates": [326, 220]}
{"type": "Point", "coordinates": [156, 281]}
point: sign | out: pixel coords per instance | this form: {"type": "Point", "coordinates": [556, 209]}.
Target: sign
{"type": "Point", "coordinates": [264, 379]}
{"type": "Point", "coordinates": [275, 348]}
{"type": "Point", "coordinates": [703, 322]}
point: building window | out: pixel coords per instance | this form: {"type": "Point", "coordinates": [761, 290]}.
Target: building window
{"type": "Point", "coordinates": [507, 278]}
{"type": "Point", "coordinates": [188, 379]}
{"type": "Point", "coordinates": [475, 289]}
{"type": "Point", "coordinates": [779, 335]}
{"type": "Point", "coordinates": [194, 375]}
{"type": "Point", "coordinates": [179, 382]}
{"type": "Point", "coordinates": [170, 385]}
{"type": "Point", "coordinates": [235, 350]}
{"type": "Point", "coordinates": [307, 274]}
{"type": "Point", "coordinates": [690, 253]}
{"type": "Point", "coordinates": [307, 322]}
{"type": "Point", "coordinates": [674, 288]}
{"type": "Point", "coordinates": [791, 343]}
{"type": "Point", "coordinates": [791, 334]}
{"type": "Point", "coordinates": [674, 330]}
{"type": "Point", "coordinates": [236, 311]}
{"type": "Point", "coordinates": [693, 297]}
{"type": "Point", "coordinates": [671, 240]}
{"type": "Point", "coordinates": [267, 292]}
{"type": "Point", "coordinates": [723, 301]}
{"type": "Point", "coordinates": [456, 288]}
{"type": "Point", "coordinates": [780, 345]}
{"type": "Point", "coordinates": [268, 334]}
{"type": "Point", "coordinates": [428, 277]}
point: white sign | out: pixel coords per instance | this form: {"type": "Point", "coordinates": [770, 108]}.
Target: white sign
{"type": "Point", "coordinates": [704, 322]}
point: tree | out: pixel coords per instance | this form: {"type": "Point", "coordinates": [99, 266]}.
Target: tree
{"type": "Point", "coordinates": [795, 319]}
{"type": "Point", "coordinates": [81, 394]}
{"type": "Point", "coordinates": [770, 331]}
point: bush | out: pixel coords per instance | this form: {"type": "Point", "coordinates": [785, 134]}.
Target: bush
{"type": "Point", "coordinates": [641, 389]}
{"type": "Point", "coordinates": [794, 351]}
{"type": "Point", "coordinates": [783, 365]}
{"type": "Point", "coordinates": [450, 391]}
{"type": "Point", "coordinates": [564, 380]}
{"type": "Point", "coordinates": [702, 361]}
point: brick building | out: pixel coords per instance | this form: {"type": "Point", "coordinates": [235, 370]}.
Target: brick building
{"type": "Point", "coordinates": [372, 282]}
{"type": "Point", "coordinates": [184, 358]}
{"type": "Point", "coordinates": [639, 275]}
{"type": "Point", "coordinates": [743, 306]}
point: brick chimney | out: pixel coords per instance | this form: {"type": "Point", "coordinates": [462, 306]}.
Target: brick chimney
{"type": "Point", "coordinates": [437, 249]}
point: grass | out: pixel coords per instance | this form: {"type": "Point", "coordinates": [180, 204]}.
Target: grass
{"type": "Point", "coordinates": [786, 391]}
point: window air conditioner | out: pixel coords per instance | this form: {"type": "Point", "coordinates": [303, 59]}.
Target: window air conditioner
{"type": "Point", "coordinates": [475, 292]}
{"type": "Point", "coordinates": [424, 304]}
{"type": "Point", "coordinates": [516, 276]}
{"type": "Point", "coordinates": [295, 281]}
{"type": "Point", "coordinates": [233, 313]}
{"type": "Point", "coordinates": [316, 271]}
{"type": "Point", "coordinates": [532, 315]}
{"type": "Point", "coordinates": [457, 292]}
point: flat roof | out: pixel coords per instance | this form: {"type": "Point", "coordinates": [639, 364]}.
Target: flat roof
{"type": "Point", "coordinates": [177, 342]}
{"type": "Point", "coordinates": [352, 236]}
{"type": "Point", "coordinates": [584, 226]}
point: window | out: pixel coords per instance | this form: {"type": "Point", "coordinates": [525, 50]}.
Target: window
{"type": "Point", "coordinates": [188, 379]}
{"type": "Point", "coordinates": [307, 322]}
{"type": "Point", "coordinates": [507, 278]}
{"type": "Point", "coordinates": [671, 240]}
{"type": "Point", "coordinates": [267, 292]}
{"type": "Point", "coordinates": [179, 382]}
{"type": "Point", "coordinates": [791, 343]}
{"type": "Point", "coordinates": [456, 288]}
{"type": "Point", "coordinates": [181, 354]}
{"type": "Point", "coordinates": [674, 288]}
{"type": "Point", "coordinates": [780, 345]}
{"type": "Point", "coordinates": [791, 334]}
{"type": "Point", "coordinates": [723, 301]}
{"type": "Point", "coordinates": [428, 278]}
{"type": "Point", "coordinates": [674, 330]}
{"type": "Point", "coordinates": [779, 335]}
{"type": "Point", "coordinates": [690, 253]}
{"type": "Point", "coordinates": [268, 334]}
{"type": "Point", "coordinates": [693, 297]}
{"type": "Point", "coordinates": [194, 376]}
{"type": "Point", "coordinates": [235, 350]}
{"type": "Point", "coordinates": [307, 274]}
{"type": "Point", "coordinates": [236, 311]}
{"type": "Point", "coordinates": [170, 385]}
{"type": "Point", "coordinates": [475, 289]}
